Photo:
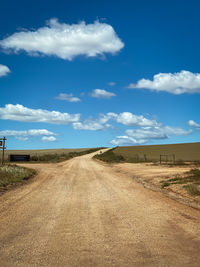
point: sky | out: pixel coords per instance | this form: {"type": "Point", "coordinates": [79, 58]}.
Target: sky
{"type": "Point", "coordinates": [99, 73]}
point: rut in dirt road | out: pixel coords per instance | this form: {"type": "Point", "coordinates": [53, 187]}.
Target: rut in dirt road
{"type": "Point", "coordinates": [83, 213]}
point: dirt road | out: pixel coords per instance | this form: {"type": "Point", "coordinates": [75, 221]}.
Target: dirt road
{"type": "Point", "coordinates": [83, 213]}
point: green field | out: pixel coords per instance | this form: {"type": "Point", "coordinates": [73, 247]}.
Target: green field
{"type": "Point", "coordinates": [184, 152]}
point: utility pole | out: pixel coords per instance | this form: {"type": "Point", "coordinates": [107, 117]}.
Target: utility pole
{"type": "Point", "coordinates": [3, 147]}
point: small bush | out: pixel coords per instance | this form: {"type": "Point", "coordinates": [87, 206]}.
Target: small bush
{"type": "Point", "coordinates": [165, 184]}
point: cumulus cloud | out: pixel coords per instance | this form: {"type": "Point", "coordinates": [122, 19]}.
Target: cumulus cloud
{"type": "Point", "coordinates": [24, 135]}
{"type": "Point", "coordinates": [65, 41]}
{"type": "Point", "coordinates": [4, 70]}
{"type": "Point", "coordinates": [193, 124]}
{"type": "Point", "coordinates": [128, 118]}
{"type": "Point", "coordinates": [101, 123]}
{"type": "Point", "coordinates": [101, 93]}
{"type": "Point", "coordinates": [93, 124]}
{"type": "Point", "coordinates": [37, 132]}
{"type": "Point", "coordinates": [31, 132]}
{"type": "Point", "coordinates": [126, 140]}
{"type": "Point", "coordinates": [175, 83]}
{"type": "Point", "coordinates": [48, 138]}
{"type": "Point", "coordinates": [24, 114]}
{"type": "Point", "coordinates": [159, 132]}
{"type": "Point", "coordinates": [90, 125]}
{"type": "Point", "coordinates": [145, 134]}
{"type": "Point", "coordinates": [68, 97]}
{"type": "Point", "coordinates": [125, 118]}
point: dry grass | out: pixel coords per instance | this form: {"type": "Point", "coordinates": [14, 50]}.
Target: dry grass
{"type": "Point", "coordinates": [54, 157]}
{"type": "Point", "coordinates": [110, 157]}
{"type": "Point", "coordinates": [190, 181]}
{"type": "Point", "coordinates": [45, 155]}
{"type": "Point", "coordinates": [12, 174]}
{"type": "Point", "coordinates": [183, 152]}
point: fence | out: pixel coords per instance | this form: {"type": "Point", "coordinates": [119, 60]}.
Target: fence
{"type": "Point", "coordinates": [167, 158]}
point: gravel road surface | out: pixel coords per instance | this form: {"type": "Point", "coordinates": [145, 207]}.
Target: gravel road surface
{"type": "Point", "coordinates": [83, 213]}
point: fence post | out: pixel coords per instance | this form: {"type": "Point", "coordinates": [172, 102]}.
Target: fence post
{"type": "Point", "coordinates": [3, 148]}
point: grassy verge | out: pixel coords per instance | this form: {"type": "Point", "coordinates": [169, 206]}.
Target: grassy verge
{"type": "Point", "coordinates": [110, 156]}
{"type": "Point", "coordinates": [12, 174]}
{"type": "Point", "coordinates": [191, 182]}
{"type": "Point", "coordinates": [54, 157]}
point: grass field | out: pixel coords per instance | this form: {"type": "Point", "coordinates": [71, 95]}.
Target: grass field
{"type": "Point", "coordinates": [182, 152]}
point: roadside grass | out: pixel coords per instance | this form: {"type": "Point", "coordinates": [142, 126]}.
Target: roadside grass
{"type": "Point", "coordinates": [36, 153]}
{"type": "Point", "coordinates": [191, 182]}
{"type": "Point", "coordinates": [12, 174]}
{"type": "Point", "coordinates": [54, 158]}
{"type": "Point", "coordinates": [58, 157]}
{"type": "Point", "coordinates": [110, 157]}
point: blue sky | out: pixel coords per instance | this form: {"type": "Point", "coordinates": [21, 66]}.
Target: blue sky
{"type": "Point", "coordinates": [99, 73]}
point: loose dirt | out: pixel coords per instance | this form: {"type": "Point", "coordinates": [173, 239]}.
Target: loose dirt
{"type": "Point", "coordinates": [84, 213]}
{"type": "Point", "coordinates": [152, 176]}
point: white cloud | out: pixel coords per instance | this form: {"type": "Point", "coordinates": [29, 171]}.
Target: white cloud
{"type": "Point", "coordinates": [68, 97]}
{"type": "Point", "coordinates": [48, 138]}
{"type": "Point", "coordinates": [112, 83]}
{"type": "Point", "coordinates": [126, 140]}
{"type": "Point", "coordinates": [37, 132]}
{"type": "Point", "coordinates": [94, 124]}
{"type": "Point", "coordinates": [151, 133]}
{"type": "Point", "coordinates": [101, 93]}
{"type": "Point", "coordinates": [4, 70]}
{"type": "Point", "coordinates": [32, 132]}
{"type": "Point", "coordinates": [158, 132]}
{"type": "Point", "coordinates": [193, 124]}
{"type": "Point", "coordinates": [145, 134]}
{"type": "Point", "coordinates": [65, 41]}
{"type": "Point", "coordinates": [127, 118]}
{"type": "Point", "coordinates": [175, 83]}
{"type": "Point", "coordinates": [24, 114]}
{"type": "Point", "coordinates": [24, 135]}
{"type": "Point", "coordinates": [91, 125]}
{"type": "Point", "coordinates": [13, 133]}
